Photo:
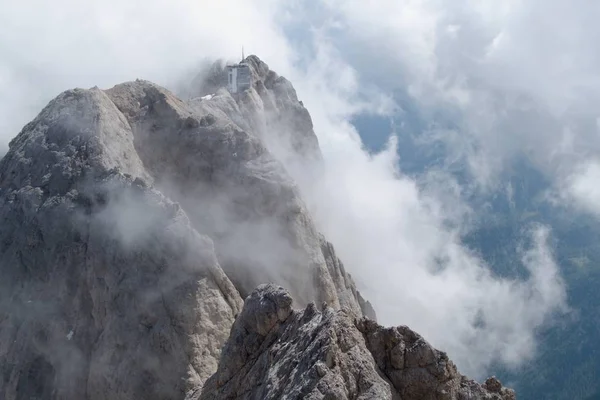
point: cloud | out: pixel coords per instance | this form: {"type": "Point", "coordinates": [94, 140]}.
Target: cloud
{"type": "Point", "coordinates": [399, 238]}
{"type": "Point", "coordinates": [396, 240]}
{"type": "Point", "coordinates": [581, 188]}
{"type": "Point", "coordinates": [515, 77]}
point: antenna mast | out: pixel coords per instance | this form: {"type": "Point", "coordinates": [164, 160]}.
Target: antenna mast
{"type": "Point", "coordinates": [243, 58]}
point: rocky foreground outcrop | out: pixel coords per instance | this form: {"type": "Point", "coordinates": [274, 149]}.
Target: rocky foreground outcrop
{"type": "Point", "coordinates": [275, 352]}
{"type": "Point", "coordinates": [133, 225]}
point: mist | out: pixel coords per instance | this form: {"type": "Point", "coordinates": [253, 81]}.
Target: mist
{"type": "Point", "coordinates": [399, 239]}
{"type": "Point", "coordinates": [495, 80]}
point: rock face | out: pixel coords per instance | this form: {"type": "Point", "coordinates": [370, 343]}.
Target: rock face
{"type": "Point", "coordinates": [133, 224]}
{"type": "Point", "coordinates": [275, 352]}
{"type": "Point", "coordinates": [107, 291]}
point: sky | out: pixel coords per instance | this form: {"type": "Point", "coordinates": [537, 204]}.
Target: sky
{"type": "Point", "coordinates": [493, 79]}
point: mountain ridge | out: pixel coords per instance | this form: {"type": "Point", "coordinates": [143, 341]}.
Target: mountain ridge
{"type": "Point", "coordinates": [135, 223]}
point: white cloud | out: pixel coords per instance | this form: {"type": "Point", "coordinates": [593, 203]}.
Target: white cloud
{"type": "Point", "coordinates": [393, 236]}
{"type": "Point", "coordinates": [410, 263]}
{"type": "Point", "coordinates": [519, 76]}
{"type": "Point", "coordinates": [582, 188]}
{"type": "Point", "coordinates": [401, 240]}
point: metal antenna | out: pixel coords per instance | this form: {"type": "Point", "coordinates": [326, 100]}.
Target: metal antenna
{"type": "Point", "coordinates": [243, 58]}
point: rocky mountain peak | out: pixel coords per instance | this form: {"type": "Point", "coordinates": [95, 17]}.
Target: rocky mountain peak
{"type": "Point", "coordinates": [135, 222]}
{"type": "Point", "coordinates": [270, 110]}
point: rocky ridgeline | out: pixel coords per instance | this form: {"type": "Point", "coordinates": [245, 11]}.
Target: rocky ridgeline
{"type": "Point", "coordinates": [133, 225]}
{"type": "Point", "coordinates": [275, 352]}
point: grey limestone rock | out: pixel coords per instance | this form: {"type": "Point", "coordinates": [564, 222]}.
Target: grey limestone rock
{"type": "Point", "coordinates": [107, 291]}
{"type": "Point", "coordinates": [278, 353]}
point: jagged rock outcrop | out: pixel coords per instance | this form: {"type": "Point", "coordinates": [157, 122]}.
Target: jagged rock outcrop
{"type": "Point", "coordinates": [275, 352]}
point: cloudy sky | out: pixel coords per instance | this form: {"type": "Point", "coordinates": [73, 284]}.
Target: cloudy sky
{"type": "Point", "coordinates": [494, 79]}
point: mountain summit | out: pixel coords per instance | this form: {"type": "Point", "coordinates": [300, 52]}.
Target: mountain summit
{"type": "Point", "coordinates": [133, 225]}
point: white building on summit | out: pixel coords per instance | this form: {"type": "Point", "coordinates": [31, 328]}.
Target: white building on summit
{"type": "Point", "coordinates": [239, 76]}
